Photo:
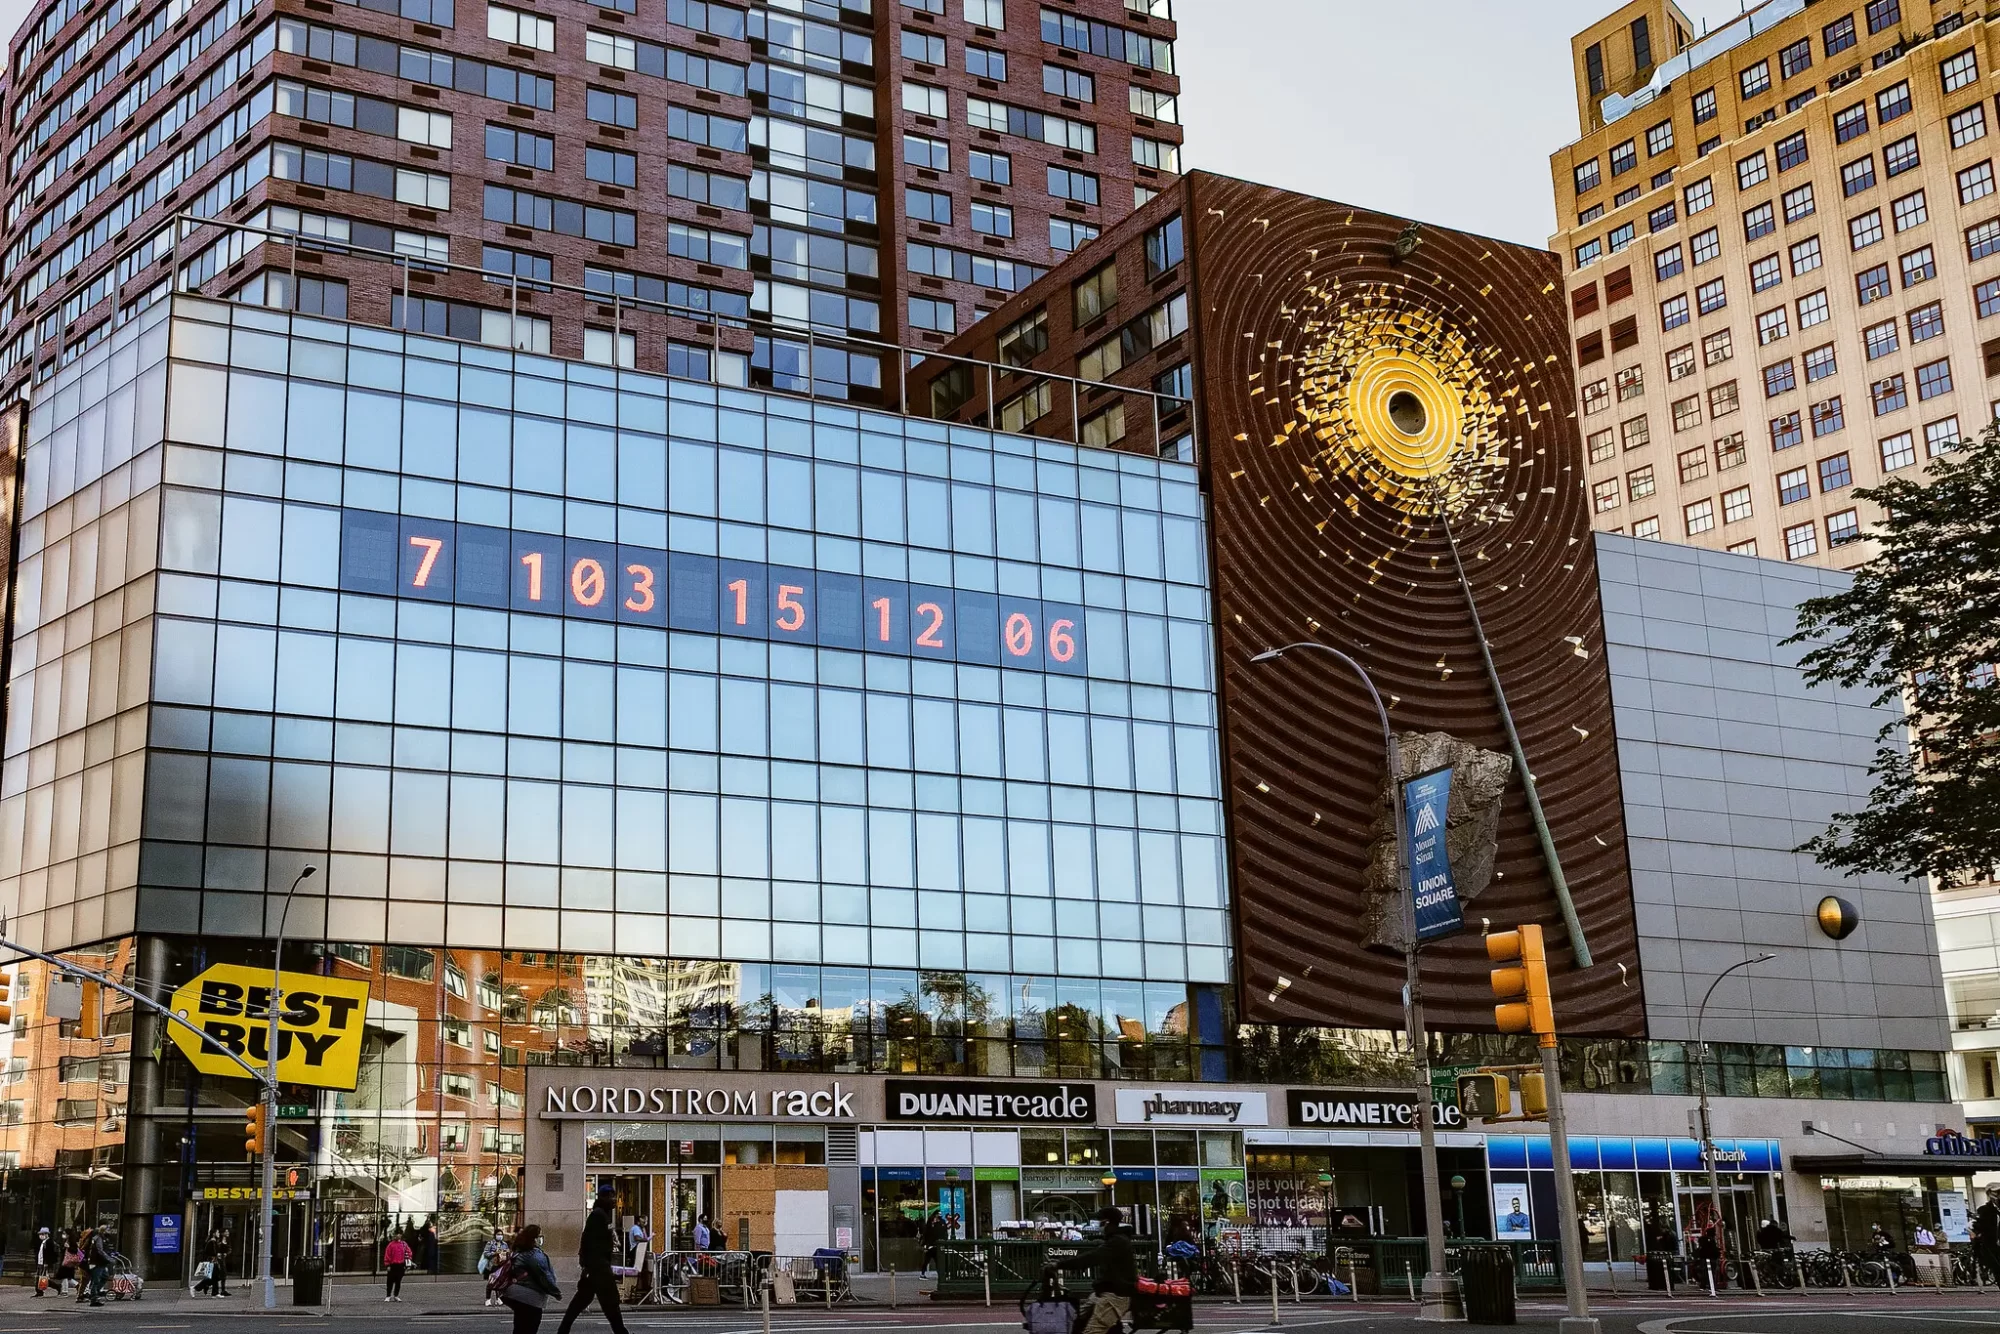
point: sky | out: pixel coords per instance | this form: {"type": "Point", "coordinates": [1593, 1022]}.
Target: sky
{"type": "Point", "coordinates": [1445, 111]}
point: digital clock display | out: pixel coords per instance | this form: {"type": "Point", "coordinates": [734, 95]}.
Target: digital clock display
{"type": "Point", "coordinates": [437, 561]}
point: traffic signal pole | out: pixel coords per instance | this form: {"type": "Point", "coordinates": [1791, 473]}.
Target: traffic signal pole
{"type": "Point", "coordinates": [1579, 1320]}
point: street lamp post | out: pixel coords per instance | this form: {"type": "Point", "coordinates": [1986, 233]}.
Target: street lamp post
{"type": "Point", "coordinates": [271, 1097]}
{"type": "Point", "coordinates": [1701, 1090]}
{"type": "Point", "coordinates": [1441, 1299]}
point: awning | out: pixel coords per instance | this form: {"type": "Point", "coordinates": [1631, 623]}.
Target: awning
{"type": "Point", "coordinates": [1896, 1164]}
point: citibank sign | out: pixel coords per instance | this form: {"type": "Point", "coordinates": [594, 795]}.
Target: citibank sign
{"type": "Point", "coordinates": [684, 1103]}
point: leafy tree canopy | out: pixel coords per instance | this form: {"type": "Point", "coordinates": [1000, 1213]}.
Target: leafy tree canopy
{"type": "Point", "coordinates": [1919, 625]}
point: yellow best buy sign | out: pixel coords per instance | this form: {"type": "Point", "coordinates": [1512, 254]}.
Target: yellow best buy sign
{"type": "Point", "coordinates": [319, 1028]}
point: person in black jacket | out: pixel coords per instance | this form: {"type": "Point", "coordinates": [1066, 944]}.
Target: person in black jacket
{"type": "Point", "coordinates": [596, 1255]}
{"type": "Point", "coordinates": [1114, 1268]}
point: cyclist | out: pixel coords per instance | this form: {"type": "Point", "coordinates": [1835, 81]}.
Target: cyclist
{"type": "Point", "coordinates": [1114, 1268]}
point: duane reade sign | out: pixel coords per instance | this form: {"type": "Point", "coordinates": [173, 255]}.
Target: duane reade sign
{"type": "Point", "coordinates": [1192, 1107]}
{"type": "Point", "coordinates": [832, 1103]}
{"type": "Point", "coordinates": [948, 1100]}
{"type": "Point", "coordinates": [1342, 1110]}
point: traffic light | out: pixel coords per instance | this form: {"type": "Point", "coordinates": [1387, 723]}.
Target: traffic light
{"type": "Point", "coordinates": [6, 998]}
{"type": "Point", "coordinates": [1524, 985]}
{"type": "Point", "coordinates": [1486, 1096]}
{"type": "Point", "coordinates": [253, 1128]}
{"type": "Point", "coordinates": [1534, 1095]}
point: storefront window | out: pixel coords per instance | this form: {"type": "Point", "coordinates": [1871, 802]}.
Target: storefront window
{"type": "Point", "coordinates": [1176, 1148]}
{"type": "Point", "coordinates": [1087, 1148]}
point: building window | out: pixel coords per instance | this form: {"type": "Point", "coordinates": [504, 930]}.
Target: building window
{"type": "Point", "coordinates": [1940, 437]}
{"type": "Point", "coordinates": [1704, 106]}
{"type": "Point", "coordinates": [1693, 464]}
{"type": "Point", "coordinates": [1786, 431]}
{"type": "Point", "coordinates": [1756, 80]}
{"type": "Point", "coordinates": [1687, 412]}
{"type": "Point", "coordinates": [1666, 263]}
{"type": "Point", "coordinates": [934, 315]}
{"type": "Point", "coordinates": [1820, 363]}
{"type": "Point", "coordinates": [1680, 362]}
{"type": "Point", "coordinates": [1624, 157]}
{"type": "Point", "coordinates": [1910, 210]}
{"type": "Point", "coordinates": [986, 13]}
{"type": "Point", "coordinates": [1987, 295]}
{"type": "Point", "coordinates": [1838, 35]}
{"type": "Point", "coordinates": [1796, 59]}
{"type": "Point", "coordinates": [921, 99]}
{"type": "Point", "coordinates": [1639, 483]}
{"type": "Point", "coordinates": [931, 206]}
{"type": "Point", "coordinates": [1982, 240]}
{"type": "Point", "coordinates": [1730, 452]}
{"type": "Point", "coordinates": [520, 148]}
{"type": "Point", "coordinates": [1647, 530]}
{"type": "Point", "coordinates": [1883, 14]}
{"type": "Point", "coordinates": [1801, 540]}
{"type": "Point", "coordinates": [1759, 221]}
{"type": "Point", "coordinates": [984, 63]}
{"type": "Point", "coordinates": [1889, 394]}
{"type": "Point", "coordinates": [1699, 196]}
{"type": "Point", "coordinates": [1752, 170]}
{"type": "Point", "coordinates": [992, 219]}
{"type": "Point", "coordinates": [1024, 410]}
{"type": "Point", "coordinates": [1765, 274]}
{"type": "Point", "coordinates": [1602, 445]}
{"type": "Point", "coordinates": [922, 151]}
{"type": "Point", "coordinates": [1780, 378]}
{"type": "Point", "coordinates": [1024, 340]}
{"type": "Point", "coordinates": [1634, 433]}
{"type": "Point", "coordinates": [1871, 285]}
{"type": "Point", "coordinates": [1880, 339]}
{"type": "Point", "coordinates": [1094, 295]}
{"type": "Point", "coordinates": [1715, 348]}
{"type": "Point", "coordinates": [1631, 383]}
{"type": "Point", "coordinates": [1104, 429]}
{"type": "Point", "coordinates": [1587, 176]}
{"type": "Point", "coordinates": [1604, 495]}
{"type": "Point", "coordinates": [1711, 296]}
{"type": "Point", "coordinates": [1596, 397]}
{"type": "Point", "coordinates": [1967, 125]}
{"type": "Point", "coordinates": [1674, 312]}
{"type": "Point", "coordinates": [925, 48]}
{"type": "Point", "coordinates": [1865, 230]}
{"type": "Point", "coordinates": [1066, 234]}
{"type": "Point", "coordinates": [609, 108]}
{"type": "Point", "coordinates": [610, 166]}
{"type": "Point", "coordinates": [1933, 379]}
{"type": "Point", "coordinates": [1835, 471]}
{"type": "Point", "coordinates": [1892, 102]}
{"type": "Point", "coordinates": [1622, 236]}
{"type": "Point", "coordinates": [610, 347]}
{"type": "Point", "coordinates": [1805, 256]}
{"type": "Point", "coordinates": [1165, 247]}
{"type": "Point", "coordinates": [1771, 326]}
{"type": "Point", "coordinates": [1723, 399]}
{"type": "Point", "coordinates": [1061, 81]}
{"type": "Point", "coordinates": [1705, 246]}
{"type": "Point", "coordinates": [1898, 451]}
{"type": "Point", "coordinates": [1747, 547]}
{"type": "Point", "coordinates": [1791, 151]}
{"type": "Point", "coordinates": [1661, 218]}
{"type": "Point", "coordinates": [1843, 528]}
{"type": "Point", "coordinates": [1660, 138]}
{"type": "Point", "coordinates": [1827, 417]}
{"type": "Point", "coordinates": [1857, 176]}
{"type": "Point", "coordinates": [1736, 505]}
{"type": "Point", "coordinates": [1813, 309]}
{"type": "Point", "coordinates": [1900, 156]}
{"type": "Point", "coordinates": [1927, 322]}
{"type": "Point", "coordinates": [1794, 486]}
{"type": "Point", "coordinates": [1959, 71]}
{"type": "Point", "coordinates": [516, 28]}
{"type": "Point", "coordinates": [1699, 517]}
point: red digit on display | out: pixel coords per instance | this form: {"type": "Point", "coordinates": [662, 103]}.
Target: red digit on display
{"type": "Point", "coordinates": [586, 582]}
{"type": "Point", "coordinates": [881, 606]}
{"type": "Point", "coordinates": [1020, 635]}
{"type": "Point", "coordinates": [791, 612]}
{"type": "Point", "coordinates": [741, 588]}
{"type": "Point", "coordinates": [641, 600]}
{"type": "Point", "coordinates": [929, 638]}
{"type": "Point", "coordinates": [1062, 642]}
{"type": "Point", "coordinates": [431, 546]}
{"type": "Point", "coordinates": [533, 560]}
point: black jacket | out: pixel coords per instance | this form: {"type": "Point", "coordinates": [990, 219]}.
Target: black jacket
{"type": "Point", "coordinates": [1114, 1265]}
{"type": "Point", "coordinates": [599, 1247]}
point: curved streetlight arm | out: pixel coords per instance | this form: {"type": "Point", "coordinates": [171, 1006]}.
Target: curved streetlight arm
{"type": "Point", "coordinates": [1381, 713]}
{"type": "Point", "coordinates": [1701, 1013]}
{"type": "Point", "coordinates": [1701, 1090]}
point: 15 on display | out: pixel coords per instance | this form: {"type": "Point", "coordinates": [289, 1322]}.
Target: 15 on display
{"type": "Point", "coordinates": [439, 561]}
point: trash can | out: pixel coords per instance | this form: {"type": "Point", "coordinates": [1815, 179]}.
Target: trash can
{"type": "Point", "coordinates": [308, 1281]}
{"type": "Point", "coordinates": [1486, 1280]}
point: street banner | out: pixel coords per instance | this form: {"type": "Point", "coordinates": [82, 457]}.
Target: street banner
{"type": "Point", "coordinates": [319, 1028]}
{"type": "Point", "coordinates": [1426, 799]}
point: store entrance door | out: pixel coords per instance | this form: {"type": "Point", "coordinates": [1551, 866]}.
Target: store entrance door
{"type": "Point", "coordinates": [670, 1203]}
{"type": "Point", "coordinates": [237, 1221]}
{"type": "Point", "coordinates": [1742, 1210]}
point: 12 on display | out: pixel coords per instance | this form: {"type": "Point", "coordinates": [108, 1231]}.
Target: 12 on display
{"type": "Point", "coordinates": [439, 561]}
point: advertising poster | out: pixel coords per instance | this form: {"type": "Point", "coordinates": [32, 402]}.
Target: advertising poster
{"type": "Point", "coordinates": [1511, 1221]}
{"type": "Point", "coordinates": [1954, 1216]}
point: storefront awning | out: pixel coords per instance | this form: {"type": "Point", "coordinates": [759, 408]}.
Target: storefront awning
{"type": "Point", "coordinates": [1896, 1164]}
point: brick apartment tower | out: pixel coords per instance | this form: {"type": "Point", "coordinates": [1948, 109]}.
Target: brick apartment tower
{"type": "Point", "coordinates": [1781, 242]}
{"type": "Point", "coordinates": [881, 169]}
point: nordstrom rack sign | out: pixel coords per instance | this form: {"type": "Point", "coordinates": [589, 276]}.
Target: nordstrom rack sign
{"type": "Point", "coordinates": [688, 1103]}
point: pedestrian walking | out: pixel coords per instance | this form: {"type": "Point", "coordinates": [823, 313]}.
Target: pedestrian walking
{"type": "Point", "coordinates": [427, 1246]}
{"type": "Point", "coordinates": [48, 1260]}
{"type": "Point", "coordinates": [396, 1255]}
{"type": "Point", "coordinates": [95, 1270]}
{"type": "Point", "coordinates": [530, 1280]}
{"type": "Point", "coordinates": [595, 1255]}
{"type": "Point", "coordinates": [1114, 1269]}
{"type": "Point", "coordinates": [493, 1265]}
{"type": "Point", "coordinates": [1986, 1234]}
{"type": "Point", "coordinates": [72, 1260]}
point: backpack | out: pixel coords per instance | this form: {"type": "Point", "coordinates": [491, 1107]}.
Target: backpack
{"type": "Point", "coordinates": [1048, 1315]}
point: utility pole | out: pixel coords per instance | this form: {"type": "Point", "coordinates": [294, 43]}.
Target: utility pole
{"type": "Point", "coordinates": [270, 1181]}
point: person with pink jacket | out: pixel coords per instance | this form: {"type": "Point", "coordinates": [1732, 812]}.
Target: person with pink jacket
{"type": "Point", "coordinates": [396, 1255]}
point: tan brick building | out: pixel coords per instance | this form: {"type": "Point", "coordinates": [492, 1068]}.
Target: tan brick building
{"type": "Point", "coordinates": [1782, 241]}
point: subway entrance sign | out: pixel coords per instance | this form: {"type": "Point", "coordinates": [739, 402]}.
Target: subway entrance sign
{"type": "Point", "coordinates": [319, 1026]}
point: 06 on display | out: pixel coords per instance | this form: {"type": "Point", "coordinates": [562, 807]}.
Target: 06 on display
{"type": "Point", "coordinates": [440, 561]}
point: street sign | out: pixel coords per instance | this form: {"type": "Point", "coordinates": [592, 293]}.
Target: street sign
{"type": "Point", "coordinates": [294, 1111]}
{"type": "Point", "coordinates": [319, 1027]}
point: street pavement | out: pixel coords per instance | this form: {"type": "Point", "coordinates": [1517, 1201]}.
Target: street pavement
{"type": "Point", "coordinates": [454, 1304]}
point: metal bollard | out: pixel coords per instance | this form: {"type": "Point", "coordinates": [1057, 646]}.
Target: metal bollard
{"type": "Point", "coordinates": [1846, 1275]}
{"type": "Point", "coordinates": [1756, 1279]}
{"type": "Point", "coordinates": [1708, 1268]}
{"type": "Point", "coordinates": [892, 1287]}
{"type": "Point", "coordinates": [1667, 1268]}
{"type": "Point", "coordinates": [1235, 1284]}
{"type": "Point", "coordinates": [1611, 1272]}
{"type": "Point", "coordinates": [1410, 1279]}
{"type": "Point", "coordinates": [1298, 1293]}
{"type": "Point", "coordinates": [764, 1300]}
{"type": "Point", "coordinates": [1799, 1270]}
{"type": "Point", "coordinates": [1353, 1282]}
{"type": "Point", "coordinates": [1274, 1296]}
{"type": "Point", "coordinates": [826, 1282]}
{"type": "Point", "coordinates": [986, 1279]}
{"type": "Point", "coordinates": [1889, 1268]}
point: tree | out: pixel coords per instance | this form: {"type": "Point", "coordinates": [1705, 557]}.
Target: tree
{"type": "Point", "coordinates": [1919, 625]}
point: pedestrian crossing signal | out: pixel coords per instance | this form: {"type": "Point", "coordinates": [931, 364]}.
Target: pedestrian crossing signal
{"type": "Point", "coordinates": [1484, 1096]}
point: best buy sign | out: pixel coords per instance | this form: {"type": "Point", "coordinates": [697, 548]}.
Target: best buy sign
{"type": "Point", "coordinates": [319, 1026]}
